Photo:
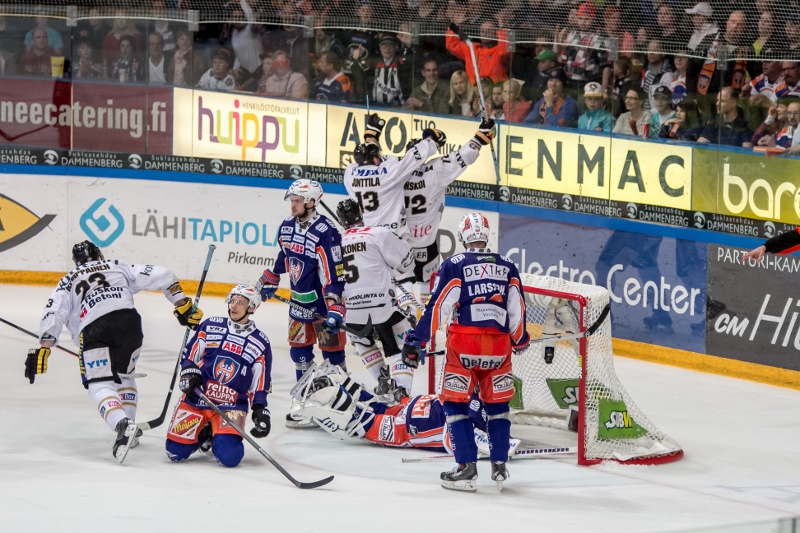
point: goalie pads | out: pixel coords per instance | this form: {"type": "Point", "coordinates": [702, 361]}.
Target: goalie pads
{"type": "Point", "coordinates": [335, 411]}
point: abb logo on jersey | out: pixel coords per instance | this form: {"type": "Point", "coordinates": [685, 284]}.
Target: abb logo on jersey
{"type": "Point", "coordinates": [485, 362]}
{"type": "Point", "coordinates": [231, 347]}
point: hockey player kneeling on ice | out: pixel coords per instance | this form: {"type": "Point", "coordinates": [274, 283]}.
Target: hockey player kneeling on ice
{"type": "Point", "coordinates": [95, 302]}
{"type": "Point", "coordinates": [343, 408]}
{"type": "Point", "coordinates": [369, 255]}
{"type": "Point", "coordinates": [483, 291]}
{"type": "Point", "coordinates": [229, 360]}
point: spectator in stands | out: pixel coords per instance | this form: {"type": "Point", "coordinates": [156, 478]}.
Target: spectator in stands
{"type": "Point", "coordinates": [635, 121]}
{"type": "Point", "coordinates": [791, 78]}
{"type": "Point", "coordinates": [514, 108]}
{"type": "Point", "coordinates": [662, 110]}
{"type": "Point", "coordinates": [266, 72]}
{"type": "Point", "coordinates": [461, 95]}
{"type": "Point", "coordinates": [161, 26]}
{"type": "Point", "coordinates": [682, 82]}
{"type": "Point", "coordinates": [245, 40]}
{"type": "Point", "coordinates": [496, 107]}
{"type": "Point", "coordinates": [538, 85]}
{"type": "Point", "coordinates": [730, 126]}
{"type": "Point", "coordinates": [284, 83]}
{"type": "Point", "coordinates": [333, 85]}
{"type": "Point", "coordinates": [121, 26]}
{"type": "Point", "coordinates": [612, 17]}
{"type": "Point", "coordinates": [326, 41]}
{"type": "Point", "coordinates": [686, 125]}
{"type": "Point", "coordinates": [157, 61]}
{"type": "Point", "coordinates": [595, 118]}
{"type": "Point", "coordinates": [94, 29]}
{"type": "Point", "coordinates": [773, 123]}
{"type": "Point", "coordinates": [620, 85]}
{"type": "Point", "coordinates": [583, 58]}
{"type": "Point", "coordinates": [491, 53]}
{"type": "Point", "coordinates": [290, 38]}
{"type": "Point", "coordinates": [128, 68]}
{"type": "Point", "coordinates": [792, 28]}
{"type": "Point", "coordinates": [219, 77]}
{"type": "Point", "coordinates": [84, 65]}
{"type": "Point", "coordinates": [186, 66]}
{"type": "Point", "coordinates": [768, 39]}
{"type": "Point", "coordinates": [704, 27]}
{"type": "Point", "coordinates": [556, 108]}
{"type": "Point", "coordinates": [432, 95]}
{"type": "Point", "coordinates": [53, 37]}
{"type": "Point", "coordinates": [658, 73]}
{"type": "Point", "coordinates": [37, 61]}
{"type": "Point", "coordinates": [670, 31]}
{"type": "Point", "coordinates": [762, 89]}
{"type": "Point", "coordinates": [789, 136]}
{"type": "Point", "coordinates": [393, 75]}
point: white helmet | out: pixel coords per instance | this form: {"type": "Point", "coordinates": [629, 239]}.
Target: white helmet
{"type": "Point", "coordinates": [473, 228]}
{"type": "Point", "coordinates": [249, 292]}
{"type": "Point", "coordinates": [308, 189]}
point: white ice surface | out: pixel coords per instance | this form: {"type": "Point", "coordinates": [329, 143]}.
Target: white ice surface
{"type": "Point", "coordinates": [57, 472]}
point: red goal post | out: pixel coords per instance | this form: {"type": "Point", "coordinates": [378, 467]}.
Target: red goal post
{"type": "Point", "coordinates": [569, 366]}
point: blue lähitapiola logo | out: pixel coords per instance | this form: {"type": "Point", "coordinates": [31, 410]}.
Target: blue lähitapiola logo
{"type": "Point", "coordinates": [102, 223]}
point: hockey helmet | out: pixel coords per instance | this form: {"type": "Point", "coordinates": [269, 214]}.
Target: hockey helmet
{"type": "Point", "coordinates": [308, 189]}
{"type": "Point", "coordinates": [412, 143]}
{"type": "Point", "coordinates": [473, 227]}
{"type": "Point", "coordinates": [86, 251]}
{"type": "Point", "coordinates": [249, 292]}
{"type": "Point", "coordinates": [366, 152]}
{"type": "Point", "coordinates": [349, 213]}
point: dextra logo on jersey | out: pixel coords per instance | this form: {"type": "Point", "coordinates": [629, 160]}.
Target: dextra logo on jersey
{"type": "Point", "coordinates": [295, 269]}
{"type": "Point", "coordinates": [226, 368]}
{"type": "Point", "coordinates": [484, 362]}
{"type": "Point", "coordinates": [485, 271]}
{"type": "Point", "coordinates": [481, 312]}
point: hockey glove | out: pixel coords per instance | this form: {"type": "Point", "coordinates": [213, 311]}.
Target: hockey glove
{"type": "Point", "coordinates": [334, 319]}
{"type": "Point", "coordinates": [267, 285]}
{"type": "Point", "coordinates": [261, 420]}
{"type": "Point", "coordinates": [437, 136]}
{"type": "Point", "coordinates": [453, 27]}
{"type": "Point", "coordinates": [187, 314]}
{"type": "Point", "coordinates": [191, 379]}
{"type": "Point", "coordinates": [413, 353]}
{"type": "Point", "coordinates": [374, 129]}
{"type": "Point", "coordinates": [36, 363]}
{"type": "Point", "coordinates": [484, 135]}
{"type": "Point", "coordinates": [516, 350]}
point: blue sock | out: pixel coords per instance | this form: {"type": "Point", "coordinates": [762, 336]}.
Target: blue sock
{"type": "Point", "coordinates": [336, 358]}
{"type": "Point", "coordinates": [228, 449]}
{"type": "Point", "coordinates": [302, 357]}
{"type": "Point", "coordinates": [462, 433]}
{"type": "Point", "coordinates": [499, 430]}
{"type": "Point", "coordinates": [177, 451]}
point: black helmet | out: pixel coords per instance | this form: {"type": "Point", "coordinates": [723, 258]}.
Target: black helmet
{"type": "Point", "coordinates": [349, 213]}
{"type": "Point", "coordinates": [365, 152]}
{"type": "Point", "coordinates": [86, 251]}
{"type": "Point", "coordinates": [412, 143]}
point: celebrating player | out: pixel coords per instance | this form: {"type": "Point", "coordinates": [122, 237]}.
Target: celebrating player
{"type": "Point", "coordinates": [95, 302]}
{"type": "Point", "coordinates": [785, 243]}
{"type": "Point", "coordinates": [483, 292]}
{"type": "Point", "coordinates": [424, 202]}
{"type": "Point", "coordinates": [369, 256]}
{"type": "Point", "coordinates": [376, 182]}
{"type": "Point", "coordinates": [229, 360]}
{"type": "Point", "coordinates": [311, 252]}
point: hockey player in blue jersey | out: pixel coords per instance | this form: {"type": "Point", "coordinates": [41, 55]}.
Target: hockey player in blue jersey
{"type": "Point", "coordinates": [481, 293]}
{"type": "Point", "coordinates": [311, 253]}
{"type": "Point", "coordinates": [230, 361]}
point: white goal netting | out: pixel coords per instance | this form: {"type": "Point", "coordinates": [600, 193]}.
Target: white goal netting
{"type": "Point", "coordinates": [549, 382]}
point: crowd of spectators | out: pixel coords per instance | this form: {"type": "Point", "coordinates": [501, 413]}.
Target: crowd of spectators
{"type": "Point", "coordinates": [712, 72]}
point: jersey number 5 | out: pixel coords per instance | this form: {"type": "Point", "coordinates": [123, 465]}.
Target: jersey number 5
{"type": "Point", "coordinates": [350, 270]}
{"type": "Point", "coordinates": [83, 288]}
{"type": "Point", "coordinates": [368, 200]}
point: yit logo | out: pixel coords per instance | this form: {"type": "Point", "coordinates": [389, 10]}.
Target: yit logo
{"type": "Point", "coordinates": [216, 166]}
{"type": "Point", "coordinates": [566, 202]}
{"type": "Point", "coordinates": [296, 172]}
{"type": "Point", "coordinates": [769, 230]}
{"type": "Point", "coordinates": [18, 223]}
{"type": "Point", "coordinates": [135, 161]}
{"type": "Point", "coordinates": [633, 210]}
{"type": "Point", "coordinates": [699, 220]}
{"type": "Point", "coordinates": [505, 194]}
{"type": "Point", "coordinates": [102, 223]}
{"type": "Point", "coordinates": [51, 157]}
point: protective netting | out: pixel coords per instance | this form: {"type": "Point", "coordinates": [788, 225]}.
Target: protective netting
{"type": "Point", "coordinates": [611, 425]}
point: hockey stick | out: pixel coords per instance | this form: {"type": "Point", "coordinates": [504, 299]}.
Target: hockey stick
{"type": "Point", "coordinates": [411, 297]}
{"type": "Point", "coordinates": [358, 333]}
{"type": "Point", "coordinates": [529, 453]}
{"type": "Point", "coordinates": [151, 424]}
{"type": "Point", "coordinates": [589, 332]}
{"type": "Point", "coordinates": [254, 444]}
{"type": "Point", "coordinates": [35, 336]}
{"type": "Point", "coordinates": [328, 209]}
{"type": "Point", "coordinates": [463, 36]}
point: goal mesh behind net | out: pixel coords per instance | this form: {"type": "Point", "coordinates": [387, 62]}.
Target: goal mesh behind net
{"type": "Point", "coordinates": [611, 426]}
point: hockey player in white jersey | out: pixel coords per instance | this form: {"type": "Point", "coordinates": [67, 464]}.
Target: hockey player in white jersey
{"type": "Point", "coordinates": [424, 203]}
{"type": "Point", "coordinates": [95, 302]}
{"type": "Point", "coordinates": [376, 182]}
{"type": "Point", "coordinates": [370, 255]}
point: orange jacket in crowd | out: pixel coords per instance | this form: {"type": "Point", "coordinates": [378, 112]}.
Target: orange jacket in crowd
{"type": "Point", "coordinates": [492, 62]}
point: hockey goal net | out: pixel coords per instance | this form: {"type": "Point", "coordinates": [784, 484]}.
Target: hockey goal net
{"type": "Point", "coordinates": [567, 371]}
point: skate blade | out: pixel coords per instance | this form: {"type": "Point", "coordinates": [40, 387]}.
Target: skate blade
{"type": "Point", "coordinates": [122, 451]}
{"type": "Point", "coordinates": [499, 482]}
{"type": "Point", "coordinates": [464, 485]}
{"type": "Point", "coordinates": [298, 424]}
{"type": "Point", "coordinates": [135, 438]}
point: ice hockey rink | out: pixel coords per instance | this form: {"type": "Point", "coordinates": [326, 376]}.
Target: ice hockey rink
{"type": "Point", "coordinates": [741, 441]}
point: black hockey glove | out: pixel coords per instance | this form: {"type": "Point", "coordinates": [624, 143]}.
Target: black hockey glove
{"type": "Point", "coordinates": [187, 314]}
{"type": "Point", "coordinates": [484, 135]}
{"type": "Point", "coordinates": [413, 351]}
{"type": "Point", "coordinates": [453, 27]}
{"type": "Point", "coordinates": [191, 379]}
{"type": "Point", "coordinates": [261, 420]}
{"type": "Point", "coordinates": [437, 136]}
{"type": "Point", "coordinates": [374, 129]}
{"type": "Point", "coordinates": [36, 363]}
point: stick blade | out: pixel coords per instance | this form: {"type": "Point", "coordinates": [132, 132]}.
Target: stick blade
{"type": "Point", "coordinates": [314, 484]}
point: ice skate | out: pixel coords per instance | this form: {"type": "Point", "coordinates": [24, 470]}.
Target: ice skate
{"type": "Point", "coordinates": [295, 422]}
{"type": "Point", "coordinates": [462, 477]}
{"type": "Point", "coordinates": [205, 438]}
{"type": "Point", "coordinates": [135, 438]}
{"type": "Point", "coordinates": [499, 473]}
{"type": "Point", "coordinates": [126, 430]}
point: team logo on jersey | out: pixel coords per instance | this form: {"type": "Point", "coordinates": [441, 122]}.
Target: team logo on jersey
{"type": "Point", "coordinates": [18, 223]}
{"type": "Point", "coordinates": [225, 368]}
{"type": "Point", "coordinates": [295, 269]}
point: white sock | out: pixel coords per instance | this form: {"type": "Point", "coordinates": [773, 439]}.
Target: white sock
{"type": "Point", "coordinates": [402, 373]}
{"type": "Point", "coordinates": [107, 400]}
{"type": "Point", "coordinates": [129, 395]}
